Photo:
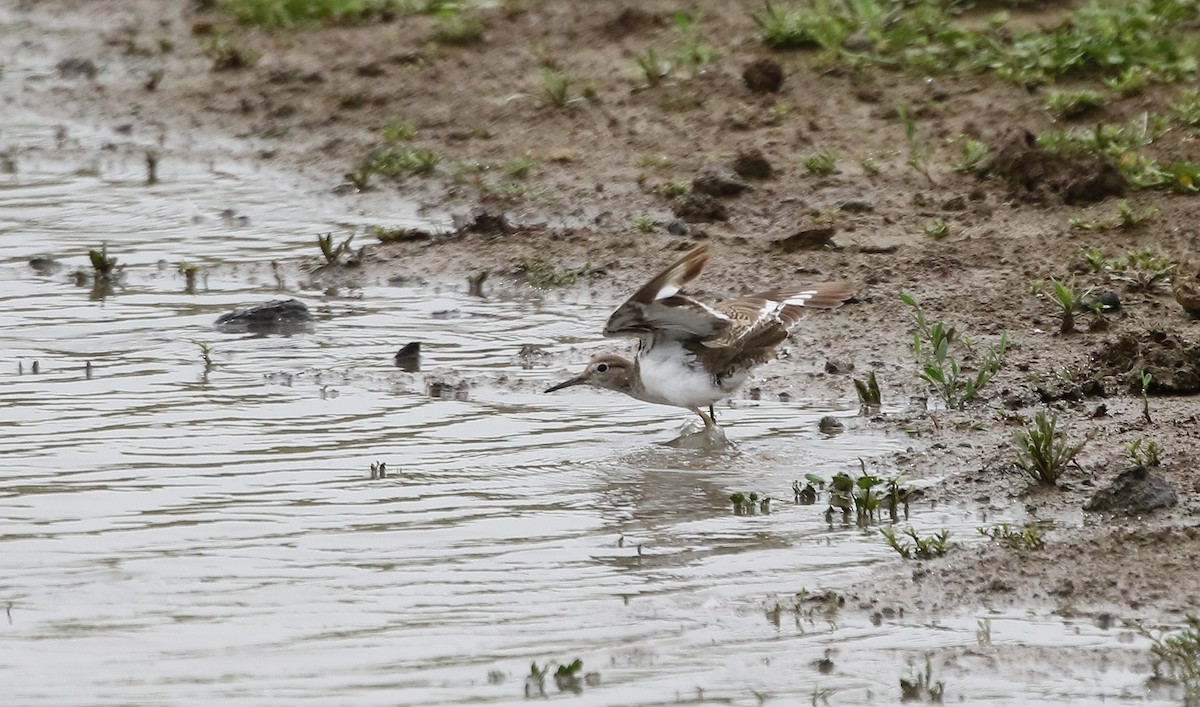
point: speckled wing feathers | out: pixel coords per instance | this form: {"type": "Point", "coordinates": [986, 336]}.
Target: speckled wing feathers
{"type": "Point", "coordinates": [657, 309]}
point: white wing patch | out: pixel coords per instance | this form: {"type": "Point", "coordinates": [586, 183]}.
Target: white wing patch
{"type": "Point", "coordinates": [800, 298]}
{"type": "Point", "coordinates": [670, 289]}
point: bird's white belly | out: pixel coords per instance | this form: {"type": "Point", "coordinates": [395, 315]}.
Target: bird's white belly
{"type": "Point", "coordinates": [670, 375]}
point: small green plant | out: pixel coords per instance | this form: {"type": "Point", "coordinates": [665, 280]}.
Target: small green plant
{"type": "Point", "coordinates": [1041, 451]}
{"type": "Point", "coordinates": [400, 162]}
{"type": "Point", "coordinates": [941, 369]}
{"type": "Point", "coordinates": [807, 494]}
{"type": "Point", "coordinates": [1144, 452]}
{"type": "Point", "coordinates": [869, 166]}
{"type": "Point", "coordinates": [748, 504]}
{"type": "Point", "coordinates": [920, 548]}
{"type": "Point", "coordinates": [1146, 379]}
{"type": "Point", "coordinates": [189, 273]}
{"type": "Point", "coordinates": [227, 56]}
{"type": "Point", "coordinates": [673, 189]}
{"type": "Point", "coordinates": [1072, 104]}
{"type": "Point", "coordinates": [1125, 219]}
{"type": "Point", "coordinates": [397, 131]}
{"type": "Point", "coordinates": [651, 68]}
{"type": "Point", "coordinates": [1026, 537]}
{"type": "Point", "coordinates": [104, 267]}
{"type": "Point", "coordinates": [821, 163]}
{"type": "Point", "coordinates": [544, 275]}
{"type": "Point", "coordinates": [333, 254]}
{"type": "Point", "coordinates": [971, 154]}
{"type": "Point", "coordinates": [1176, 655]}
{"type": "Point", "coordinates": [378, 470]}
{"type": "Point", "coordinates": [556, 87]}
{"type": "Point", "coordinates": [1187, 108]}
{"type": "Point", "coordinates": [647, 160]}
{"type": "Point", "coordinates": [921, 687]}
{"type": "Point", "coordinates": [868, 391]}
{"type": "Point", "coordinates": [1130, 82]}
{"type": "Point", "coordinates": [919, 151]}
{"type": "Point", "coordinates": [1144, 270]}
{"type": "Point", "coordinates": [643, 223]}
{"type": "Point", "coordinates": [205, 355]}
{"type": "Point", "coordinates": [937, 230]}
{"type": "Point", "coordinates": [360, 178]}
{"type": "Point", "coordinates": [795, 28]}
{"type": "Point", "coordinates": [1068, 303]}
{"type": "Point", "coordinates": [457, 27]}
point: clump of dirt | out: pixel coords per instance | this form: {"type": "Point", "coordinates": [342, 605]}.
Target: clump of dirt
{"type": "Point", "coordinates": [1038, 175]}
{"type": "Point", "coordinates": [1134, 492]}
{"type": "Point", "coordinates": [763, 76]}
{"type": "Point", "coordinates": [1185, 285]}
{"type": "Point", "coordinates": [1172, 361]}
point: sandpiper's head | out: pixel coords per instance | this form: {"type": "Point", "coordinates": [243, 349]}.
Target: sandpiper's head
{"type": "Point", "coordinates": [604, 371]}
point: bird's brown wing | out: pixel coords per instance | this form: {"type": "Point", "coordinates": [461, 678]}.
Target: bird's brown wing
{"type": "Point", "coordinates": [761, 321]}
{"type": "Point", "coordinates": [658, 310]}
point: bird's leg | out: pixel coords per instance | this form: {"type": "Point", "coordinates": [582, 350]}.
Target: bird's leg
{"type": "Point", "coordinates": [712, 413]}
{"type": "Point", "coordinates": [709, 422]}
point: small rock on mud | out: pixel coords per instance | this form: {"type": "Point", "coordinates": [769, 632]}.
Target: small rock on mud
{"type": "Point", "coordinates": [807, 239]}
{"type": "Point", "coordinates": [752, 164]}
{"type": "Point", "coordinates": [1038, 175]}
{"type": "Point", "coordinates": [763, 76]}
{"type": "Point", "coordinates": [408, 358]}
{"type": "Point", "coordinates": [700, 207]}
{"type": "Point", "coordinates": [1185, 285]}
{"type": "Point", "coordinates": [1134, 492]}
{"type": "Point", "coordinates": [290, 316]}
{"type": "Point", "coordinates": [716, 180]}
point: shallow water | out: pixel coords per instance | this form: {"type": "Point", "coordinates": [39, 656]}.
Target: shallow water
{"type": "Point", "coordinates": [176, 535]}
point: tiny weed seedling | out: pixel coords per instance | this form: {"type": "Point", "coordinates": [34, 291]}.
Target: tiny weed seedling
{"type": "Point", "coordinates": [921, 687]}
{"type": "Point", "coordinates": [795, 28]}
{"type": "Point", "coordinates": [920, 548]}
{"type": "Point", "coordinates": [941, 369]}
{"type": "Point", "coordinates": [645, 224]}
{"type": "Point", "coordinates": [1144, 452]}
{"type": "Point", "coordinates": [820, 163]}
{"type": "Point", "coordinates": [453, 26]}
{"type": "Point", "coordinates": [937, 230]}
{"type": "Point", "coordinates": [971, 154]}
{"type": "Point", "coordinates": [378, 470]}
{"type": "Point", "coordinates": [1126, 219]}
{"type": "Point", "coordinates": [544, 275]}
{"type": "Point", "coordinates": [205, 355]}
{"type": "Point", "coordinates": [332, 253]}
{"type": "Point", "coordinates": [189, 273]}
{"type": "Point", "coordinates": [748, 504]}
{"type": "Point", "coordinates": [1067, 301]}
{"type": "Point", "coordinates": [397, 131]}
{"type": "Point", "coordinates": [1130, 82]}
{"type": "Point", "coordinates": [556, 87]}
{"type": "Point", "coordinates": [1042, 453]}
{"type": "Point", "coordinates": [1144, 271]}
{"type": "Point", "coordinates": [1146, 379]}
{"type": "Point", "coordinates": [806, 495]}
{"type": "Point", "coordinates": [1027, 537]}
{"type": "Point", "coordinates": [104, 268]}
{"type": "Point", "coordinates": [1072, 104]}
{"type": "Point", "coordinates": [401, 162]}
{"type": "Point", "coordinates": [651, 68]}
{"type": "Point", "coordinates": [919, 151]}
{"type": "Point", "coordinates": [1187, 108]}
{"type": "Point", "coordinates": [868, 392]}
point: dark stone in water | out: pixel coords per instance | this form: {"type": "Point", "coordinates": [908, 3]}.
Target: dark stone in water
{"type": "Point", "coordinates": [289, 316]}
{"type": "Point", "coordinates": [1134, 492]}
{"type": "Point", "coordinates": [408, 358]}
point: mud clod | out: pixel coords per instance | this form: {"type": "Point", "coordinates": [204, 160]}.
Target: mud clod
{"type": "Point", "coordinates": [701, 208]}
{"type": "Point", "coordinates": [1134, 492]}
{"type": "Point", "coordinates": [1037, 175]}
{"type": "Point", "coordinates": [716, 180]}
{"type": "Point", "coordinates": [1172, 361]}
{"type": "Point", "coordinates": [807, 239]}
{"type": "Point", "coordinates": [752, 164]}
{"type": "Point", "coordinates": [1185, 285]}
{"type": "Point", "coordinates": [763, 76]}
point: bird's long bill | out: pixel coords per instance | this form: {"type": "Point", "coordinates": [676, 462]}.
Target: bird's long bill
{"type": "Point", "coordinates": [577, 380]}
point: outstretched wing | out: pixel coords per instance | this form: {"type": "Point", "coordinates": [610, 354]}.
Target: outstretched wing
{"type": "Point", "coordinates": [761, 321]}
{"type": "Point", "coordinates": [658, 310]}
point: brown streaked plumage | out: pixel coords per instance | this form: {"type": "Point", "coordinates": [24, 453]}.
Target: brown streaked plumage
{"type": "Point", "coordinates": [691, 354]}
